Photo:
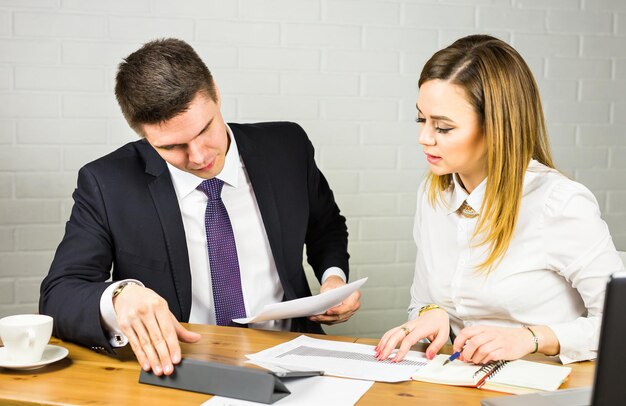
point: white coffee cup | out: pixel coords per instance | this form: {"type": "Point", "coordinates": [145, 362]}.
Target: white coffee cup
{"type": "Point", "coordinates": [25, 337]}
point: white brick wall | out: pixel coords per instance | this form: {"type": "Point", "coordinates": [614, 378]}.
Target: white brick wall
{"type": "Point", "coordinates": [278, 59]}
{"type": "Point", "coordinates": [280, 10]}
{"type": "Point", "coordinates": [208, 8]}
{"type": "Point", "coordinates": [238, 32]}
{"type": "Point", "coordinates": [360, 12]}
{"type": "Point", "coordinates": [59, 25]}
{"type": "Point", "coordinates": [5, 24]}
{"type": "Point", "coordinates": [6, 185]}
{"type": "Point", "coordinates": [6, 77]}
{"type": "Point", "coordinates": [58, 78]}
{"type": "Point", "coordinates": [346, 70]}
{"type": "Point", "coordinates": [28, 104]}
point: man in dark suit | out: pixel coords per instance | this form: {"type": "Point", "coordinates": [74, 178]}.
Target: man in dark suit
{"type": "Point", "coordinates": [200, 221]}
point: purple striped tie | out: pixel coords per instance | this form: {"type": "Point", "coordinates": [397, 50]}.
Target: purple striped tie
{"type": "Point", "coordinates": [225, 277]}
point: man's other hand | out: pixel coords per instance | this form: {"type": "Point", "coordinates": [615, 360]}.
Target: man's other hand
{"type": "Point", "coordinates": [343, 311]}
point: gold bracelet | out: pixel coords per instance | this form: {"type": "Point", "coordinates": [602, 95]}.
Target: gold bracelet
{"type": "Point", "coordinates": [121, 287]}
{"type": "Point", "coordinates": [535, 339]}
{"type": "Point", "coordinates": [428, 307]}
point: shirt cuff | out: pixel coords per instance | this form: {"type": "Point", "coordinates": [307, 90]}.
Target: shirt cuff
{"type": "Point", "coordinates": [334, 271]}
{"type": "Point", "coordinates": [578, 341]}
{"type": "Point", "coordinates": [413, 312]}
{"type": "Point", "coordinates": [109, 317]}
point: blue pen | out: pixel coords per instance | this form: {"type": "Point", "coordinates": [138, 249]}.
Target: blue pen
{"type": "Point", "coordinates": [453, 357]}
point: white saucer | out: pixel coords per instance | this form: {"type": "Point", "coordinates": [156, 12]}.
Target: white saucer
{"type": "Point", "coordinates": [51, 354]}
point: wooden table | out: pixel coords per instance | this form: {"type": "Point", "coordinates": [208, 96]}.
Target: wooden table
{"type": "Point", "coordinates": [89, 378]}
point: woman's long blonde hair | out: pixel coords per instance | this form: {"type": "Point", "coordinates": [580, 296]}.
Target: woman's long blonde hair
{"type": "Point", "coordinates": [503, 92]}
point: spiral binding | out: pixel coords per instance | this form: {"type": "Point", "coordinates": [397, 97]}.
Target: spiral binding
{"type": "Point", "coordinates": [491, 368]}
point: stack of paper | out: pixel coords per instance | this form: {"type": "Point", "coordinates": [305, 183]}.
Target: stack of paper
{"type": "Point", "coordinates": [335, 358]}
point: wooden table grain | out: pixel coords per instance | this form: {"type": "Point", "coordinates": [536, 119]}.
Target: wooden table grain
{"type": "Point", "coordinates": [86, 377]}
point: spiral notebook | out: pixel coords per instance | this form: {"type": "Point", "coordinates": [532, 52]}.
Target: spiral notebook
{"type": "Point", "coordinates": [517, 376]}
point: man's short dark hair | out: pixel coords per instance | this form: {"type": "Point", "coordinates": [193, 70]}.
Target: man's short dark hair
{"type": "Point", "coordinates": [158, 82]}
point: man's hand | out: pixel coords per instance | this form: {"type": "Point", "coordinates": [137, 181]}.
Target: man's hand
{"type": "Point", "coordinates": [343, 311]}
{"type": "Point", "coordinates": [152, 330]}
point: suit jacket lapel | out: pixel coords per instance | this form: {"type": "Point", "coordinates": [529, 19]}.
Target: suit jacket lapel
{"type": "Point", "coordinates": [256, 167]}
{"type": "Point", "coordinates": [166, 203]}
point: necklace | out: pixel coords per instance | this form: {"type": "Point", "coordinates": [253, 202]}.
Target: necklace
{"type": "Point", "coordinates": [467, 211]}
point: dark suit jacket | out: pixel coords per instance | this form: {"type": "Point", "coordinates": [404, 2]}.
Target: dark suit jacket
{"type": "Point", "coordinates": [126, 216]}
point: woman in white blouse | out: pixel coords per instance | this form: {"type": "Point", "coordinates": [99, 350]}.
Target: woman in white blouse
{"type": "Point", "coordinates": [512, 256]}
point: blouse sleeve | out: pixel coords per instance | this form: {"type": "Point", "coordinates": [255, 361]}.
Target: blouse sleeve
{"type": "Point", "coordinates": [420, 295]}
{"type": "Point", "coordinates": [580, 248]}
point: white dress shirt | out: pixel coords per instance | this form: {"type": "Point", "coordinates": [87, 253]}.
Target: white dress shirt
{"type": "Point", "coordinates": [554, 272]}
{"type": "Point", "coordinates": [259, 279]}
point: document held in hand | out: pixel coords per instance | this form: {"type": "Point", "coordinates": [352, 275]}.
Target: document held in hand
{"type": "Point", "coordinates": [517, 376]}
{"type": "Point", "coordinates": [306, 306]}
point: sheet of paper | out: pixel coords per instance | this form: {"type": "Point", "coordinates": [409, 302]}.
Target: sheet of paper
{"type": "Point", "coordinates": [528, 374]}
{"type": "Point", "coordinates": [313, 391]}
{"type": "Point", "coordinates": [455, 373]}
{"type": "Point", "coordinates": [306, 306]}
{"type": "Point", "coordinates": [341, 359]}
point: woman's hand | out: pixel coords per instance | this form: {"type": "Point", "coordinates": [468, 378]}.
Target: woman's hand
{"type": "Point", "coordinates": [432, 324]}
{"type": "Point", "coordinates": [481, 344]}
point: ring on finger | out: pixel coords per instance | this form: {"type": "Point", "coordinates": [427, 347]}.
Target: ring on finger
{"type": "Point", "coordinates": [406, 330]}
